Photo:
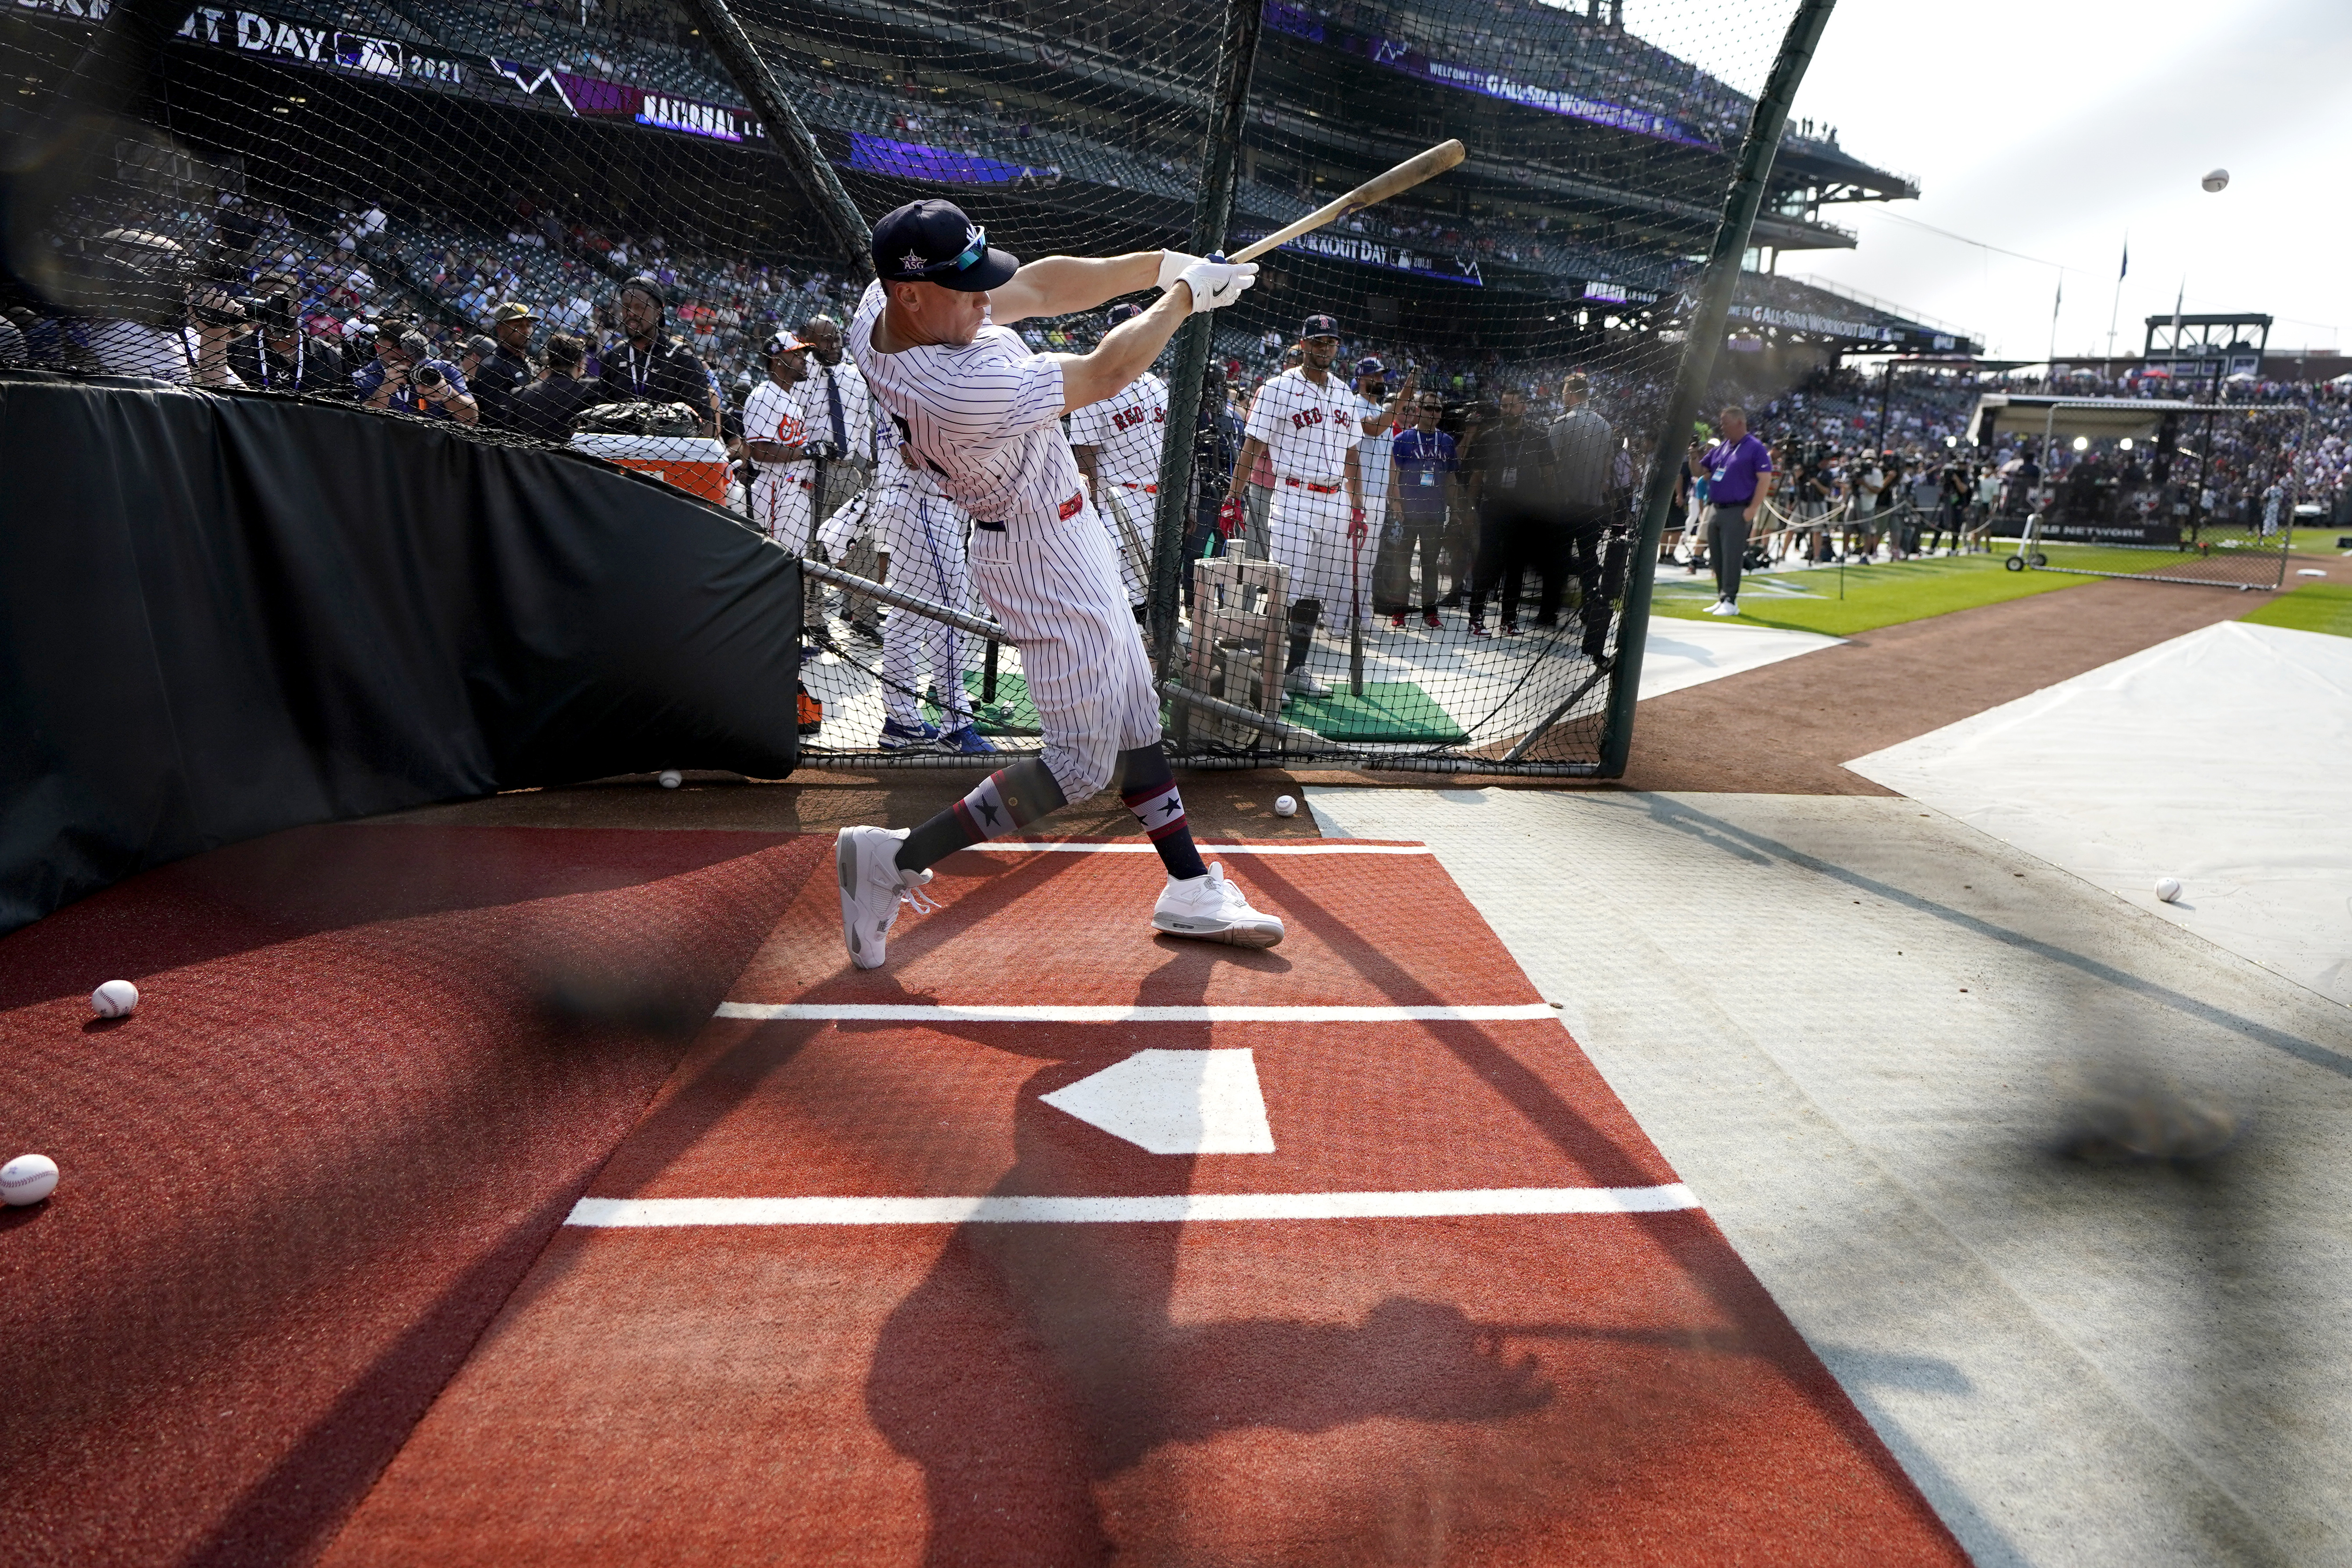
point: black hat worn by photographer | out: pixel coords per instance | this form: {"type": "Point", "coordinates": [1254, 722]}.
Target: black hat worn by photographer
{"type": "Point", "coordinates": [932, 241]}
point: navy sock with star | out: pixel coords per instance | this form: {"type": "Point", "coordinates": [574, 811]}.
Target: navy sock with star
{"type": "Point", "coordinates": [1007, 799]}
{"type": "Point", "coordinates": [1148, 787]}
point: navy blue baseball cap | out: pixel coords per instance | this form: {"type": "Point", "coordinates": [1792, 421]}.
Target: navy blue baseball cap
{"type": "Point", "coordinates": [1368, 365]}
{"type": "Point", "coordinates": [933, 242]}
{"type": "Point", "coordinates": [1125, 311]}
{"type": "Point", "coordinates": [1319, 327]}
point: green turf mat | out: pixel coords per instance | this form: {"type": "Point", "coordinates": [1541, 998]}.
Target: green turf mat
{"type": "Point", "coordinates": [2315, 607]}
{"type": "Point", "coordinates": [1886, 595]}
{"type": "Point", "coordinates": [1011, 714]}
{"type": "Point", "coordinates": [1395, 710]}
{"type": "Point", "coordinates": [1388, 710]}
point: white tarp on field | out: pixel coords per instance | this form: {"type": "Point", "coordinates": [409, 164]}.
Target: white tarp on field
{"type": "Point", "coordinates": [1681, 652]}
{"type": "Point", "coordinates": [2223, 758]}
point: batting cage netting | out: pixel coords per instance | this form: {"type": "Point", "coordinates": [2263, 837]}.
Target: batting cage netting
{"type": "Point", "coordinates": [436, 208]}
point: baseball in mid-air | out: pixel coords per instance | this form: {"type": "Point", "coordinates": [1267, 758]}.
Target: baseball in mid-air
{"type": "Point", "coordinates": [671, 778]}
{"type": "Point", "coordinates": [115, 999]}
{"type": "Point", "coordinates": [1284, 805]}
{"type": "Point", "coordinates": [2168, 889]}
{"type": "Point", "coordinates": [2218, 180]}
{"type": "Point", "coordinates": [27, 1179]}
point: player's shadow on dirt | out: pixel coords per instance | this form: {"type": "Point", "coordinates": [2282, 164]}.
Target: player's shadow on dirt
{"type": "Point", "coordinates": [1036, 1361]}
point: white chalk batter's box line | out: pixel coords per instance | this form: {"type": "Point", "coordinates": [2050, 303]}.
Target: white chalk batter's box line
{"type": "Point", "coordinates": [1172, 1208]}
{"type": "Point", "coordinates": [945, 1012]}
{"type": "Point", "coordinates": [1056, 847]}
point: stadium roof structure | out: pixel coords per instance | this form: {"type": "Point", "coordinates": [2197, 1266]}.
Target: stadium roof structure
{"type": "Point", "coordinates": [2138, 418]}
{"type": "Point", "coordinates": [1797, 310]}
{"type": "Point", "coordinates": [1582, 136]}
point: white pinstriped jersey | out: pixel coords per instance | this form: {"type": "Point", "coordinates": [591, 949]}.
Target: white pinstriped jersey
{"type": "Point", "coordinates": [985, 418]}
{"type": "Point", "coordinates": [892, 471]}
{"type": "Point", "coordinates": [1126, 431]}
{"type": "Point", "coordinates": [1307, 428]}
{"type": "Point", "coordinates": [1374, 459]}
{"type": "Point", "coordinates": [773, 414]}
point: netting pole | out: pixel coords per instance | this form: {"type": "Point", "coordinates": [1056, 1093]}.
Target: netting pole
{"type": "Point", "coordinates": [1706, 338]}
{"type": "Point", "coordinates": [1220, 152]}
{"type": "Point", "coordinates": [788, 134]}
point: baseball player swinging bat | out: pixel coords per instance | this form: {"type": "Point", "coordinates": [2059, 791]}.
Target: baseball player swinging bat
{"type": "Point", "coordinates": [981, 413]}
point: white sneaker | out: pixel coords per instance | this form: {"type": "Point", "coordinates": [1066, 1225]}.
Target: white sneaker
{"type": "Point", "coordinates": [1214, 909]}
{"type": "Point", "coordinates": [1301, 682]}
{"type": "Point", "coordinates": [872, 889]}
{"type": "Point", "coordinates": [1721, 607]}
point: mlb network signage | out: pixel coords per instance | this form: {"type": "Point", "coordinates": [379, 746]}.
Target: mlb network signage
{"type": "Point", "coordinates": [592, 99]}
{"type": "Point", "coordinates": [1401, 56]}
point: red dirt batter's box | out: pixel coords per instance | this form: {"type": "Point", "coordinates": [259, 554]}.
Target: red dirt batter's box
{"type": "Point", "coordinates": [1582, 1387]}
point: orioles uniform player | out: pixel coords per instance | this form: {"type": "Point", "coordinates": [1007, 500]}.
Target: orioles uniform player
{"type": "Point", "coordinates": [776, 437]}
{"type": "Point", "coordinates": [919, 539]}
{"type": "Point", "coordinates": [1117, 444]}
{"type": "Point", "coordinates": [933, 336]}
{"type": "Point", "coordinates": [1310, 424]}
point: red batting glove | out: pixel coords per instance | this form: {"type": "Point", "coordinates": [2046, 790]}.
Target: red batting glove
{"type": "Point", "coordinates": [1230, 517]}
{"type": "Point", "coordinates": [1356, 528]}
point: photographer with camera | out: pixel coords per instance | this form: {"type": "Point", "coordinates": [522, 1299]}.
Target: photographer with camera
{"type": "Point", "coordinates": [415, 383]}
{"type": "Point", "coordinates": [160, 315]}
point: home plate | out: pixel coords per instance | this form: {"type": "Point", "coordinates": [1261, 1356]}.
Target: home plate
{"type": "Point", "coordinates": [1175, 1102]}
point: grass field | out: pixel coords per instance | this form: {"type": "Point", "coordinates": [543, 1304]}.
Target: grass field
{"type": "Point", "coordinates": [1884, 594]}
{"type": "Point", "coordinates": [2317, 607]}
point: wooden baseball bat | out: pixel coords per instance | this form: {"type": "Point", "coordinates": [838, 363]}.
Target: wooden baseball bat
{"type": "Point", "coordinates": [1403, 177]}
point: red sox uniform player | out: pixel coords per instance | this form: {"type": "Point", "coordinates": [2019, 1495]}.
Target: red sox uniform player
{"type": "Point", "coordinates": [1309, 422]}
{"type": "Point", "coordinates": [974, 406]}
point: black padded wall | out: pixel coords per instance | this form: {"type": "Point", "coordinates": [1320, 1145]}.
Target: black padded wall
{"type": "Point", "coordinates": [223, 614]}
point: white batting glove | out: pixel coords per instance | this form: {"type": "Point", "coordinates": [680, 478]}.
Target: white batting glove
{"type": "Point", "coordinates": [1218, 283]}
{"type": "Point", "coordinates": [1171, 267]}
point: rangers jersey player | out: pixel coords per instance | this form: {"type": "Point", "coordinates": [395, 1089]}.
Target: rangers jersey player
{"type": "Point", "coordinates": [918, 537]}
{"type": "Point", "coordinates": [983, 414]}
{"type": "Point", "coordinates": [1117, 443]}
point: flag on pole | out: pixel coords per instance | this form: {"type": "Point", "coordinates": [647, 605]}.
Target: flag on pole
{"type": "Point", "coordinates": [2126, 273]}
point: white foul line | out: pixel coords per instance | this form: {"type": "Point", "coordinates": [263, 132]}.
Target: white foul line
{"type": "Point", "coordinates": [1173, 1208]}
{"type": "Point", "coordinates": [946, 1013]}
{"type": "Point", "coordinates": [1064, 846]}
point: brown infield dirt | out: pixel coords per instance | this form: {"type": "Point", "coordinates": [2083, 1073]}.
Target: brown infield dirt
{"type": "Point", "coordinates": [1786, 729]}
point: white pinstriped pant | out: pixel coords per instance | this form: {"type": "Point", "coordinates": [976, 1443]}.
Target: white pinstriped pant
{"type": "Point", "coordinates": [1055, 588]}
{"type": "Point", "coordinates": [923, 536]}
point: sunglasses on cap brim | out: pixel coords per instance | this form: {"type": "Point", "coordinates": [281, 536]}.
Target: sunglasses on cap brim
{"type": "Point", "coordinates": [964, 259]}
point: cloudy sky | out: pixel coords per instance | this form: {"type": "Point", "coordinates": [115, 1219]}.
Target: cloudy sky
{"type": "Point", "coordinates": [2052, 128]}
